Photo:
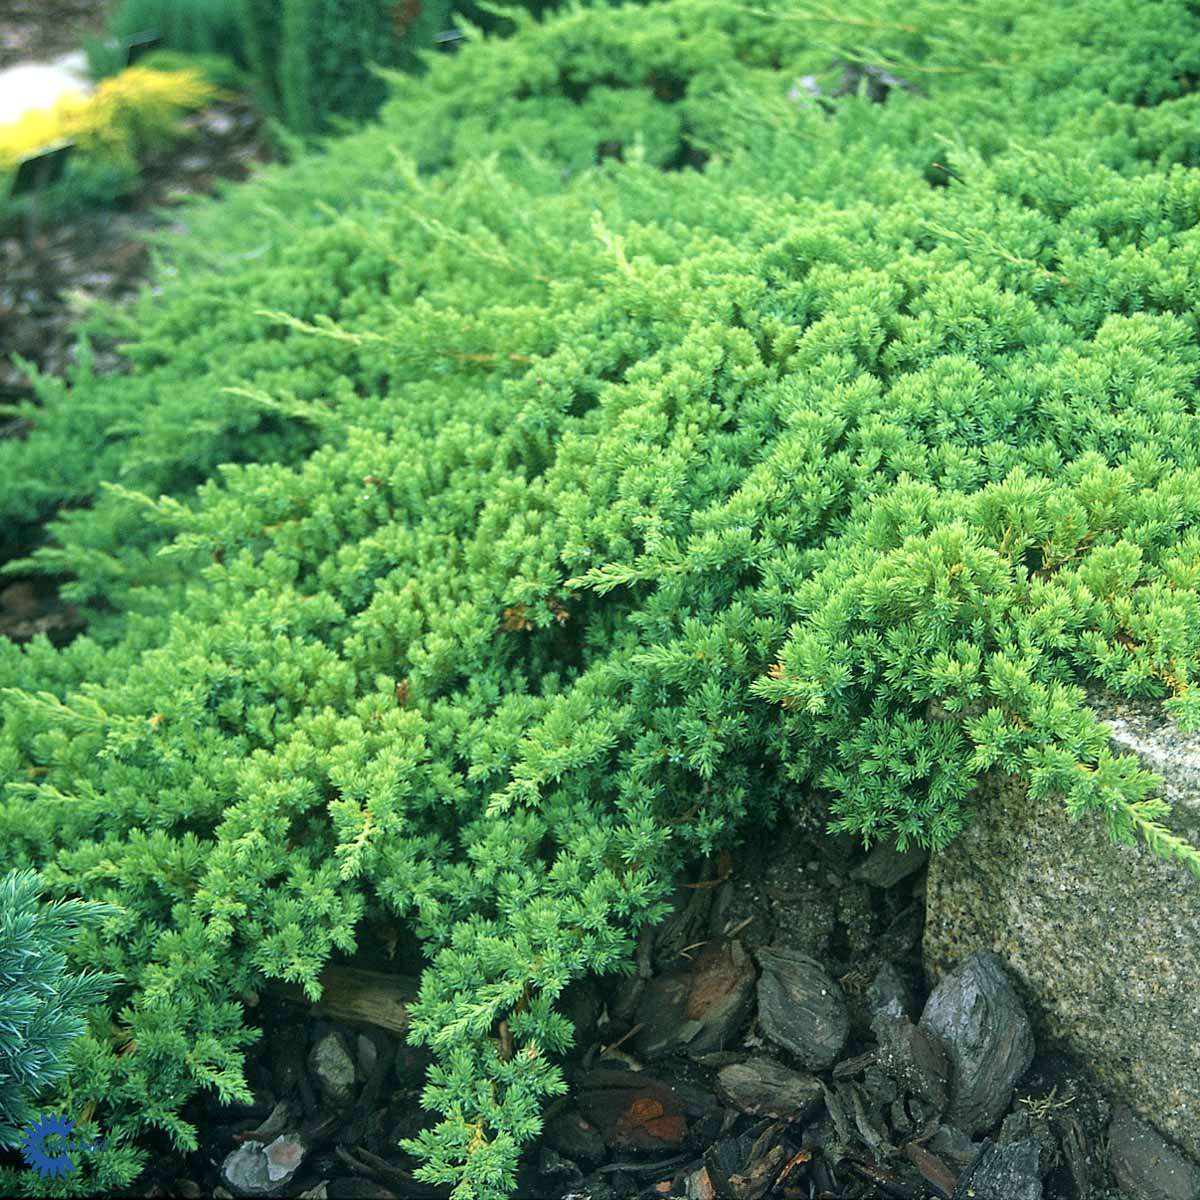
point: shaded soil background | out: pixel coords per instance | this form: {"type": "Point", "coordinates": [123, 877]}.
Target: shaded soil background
{"type": "Point", "coordinates": [44, 29]}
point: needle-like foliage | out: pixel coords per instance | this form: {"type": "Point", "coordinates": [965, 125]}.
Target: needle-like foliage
{"type": "Point", "coordinates": [649, 428]}
{"type": "Point", "coordinates": [42, 1005]}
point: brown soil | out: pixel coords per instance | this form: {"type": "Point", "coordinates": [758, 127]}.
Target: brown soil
{"type": "Point", "coordinates": [43, 29]}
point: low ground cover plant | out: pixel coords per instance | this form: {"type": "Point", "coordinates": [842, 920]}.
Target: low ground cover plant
{"type": "Point", "coordinates": [130, 117]}
{"type": "Point", "coordinates": [648, 427]}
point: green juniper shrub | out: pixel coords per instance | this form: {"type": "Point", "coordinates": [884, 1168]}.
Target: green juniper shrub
{"type": "Point", "coordinates": [503, 19]}
{"type": "Point", "coordinates": [201, 27]}
{"type": "Point", "coordinates": [193, 26]}
{"type": "Point", "coordinates": [260, 23]}
{"type": "Point", "coordinates": [315, 60]}
{"type": "Point", "coordinates": [42, 1005]}
{"type": "Point", "coordinates": [486, 527]}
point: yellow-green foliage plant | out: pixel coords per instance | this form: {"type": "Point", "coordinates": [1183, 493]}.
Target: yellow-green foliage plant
{"type": "Point", "coordinates": [127, 117]}
{"type": "Point", "coordinates": [617, 445]}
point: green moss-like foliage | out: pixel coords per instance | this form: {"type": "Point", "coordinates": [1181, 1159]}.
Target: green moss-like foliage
{"type": "Point", "coordinates": [500, 513]}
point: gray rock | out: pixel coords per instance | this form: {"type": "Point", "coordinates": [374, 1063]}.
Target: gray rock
{"type": "Point", "coordinates": [700, 1008]}
{"type": "Point", "coordinates": [367, 1053]}
{"type": "Point", "coordinates": [697, 1186]}
{"type": "Point", "coordinates": [980, 1021]}
{"type": "Point", "coordinates": [917, 1062]}
{"type": "Point", "coordinates": [244, 1171]}
{"type": "Point", "coordinates": [954, 1146]}
{"type": "Point", "coordinates": [1019, 1126]}
{"type": "Point", "coordinates": [889, 993]}
{"type": "Point", "coordinates": [1007, 1172]}
{"type": "Point", "coordinates": [878, 82]}
{"type": "Point", "coordinates": [761, 1086]}
{"type": "Point", "coordinates": [575, 1137]}
{"type": "Point", "coordinates": [1102, 940]}
{"type": "Point", "coordinates": [333, 1068]}
{"type": "Point", "coordinates": [284, 1156]}
{"type": "Point", "coordinates": [1144, 1166]}
{"type": "Point", "coordinates": [879, 1086]}
{"type": "Point", "coordinates": [885, 866]}
{"type": "Point", "coordinates": [566, 1174]}
{"type": "Point", "coordinates": [801, 1008]}
{"type": "Point", "coordinates": [257, 1170]}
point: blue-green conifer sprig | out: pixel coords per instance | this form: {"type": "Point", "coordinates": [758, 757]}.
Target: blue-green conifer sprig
{"type": "Point", "coordinates": [43, 1006]}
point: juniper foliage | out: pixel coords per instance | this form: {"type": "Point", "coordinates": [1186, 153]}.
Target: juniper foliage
{"type": "Point", "coordinates": [314, 60]}
{"type": "Point", "coordinates": [499, 513]}
{"type": "Point", "coordinates": [42, 1006]}
{"type": "Point", "coordinates": [192, 26]}
{"type": "Point", "coordinates": [206, 29]}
